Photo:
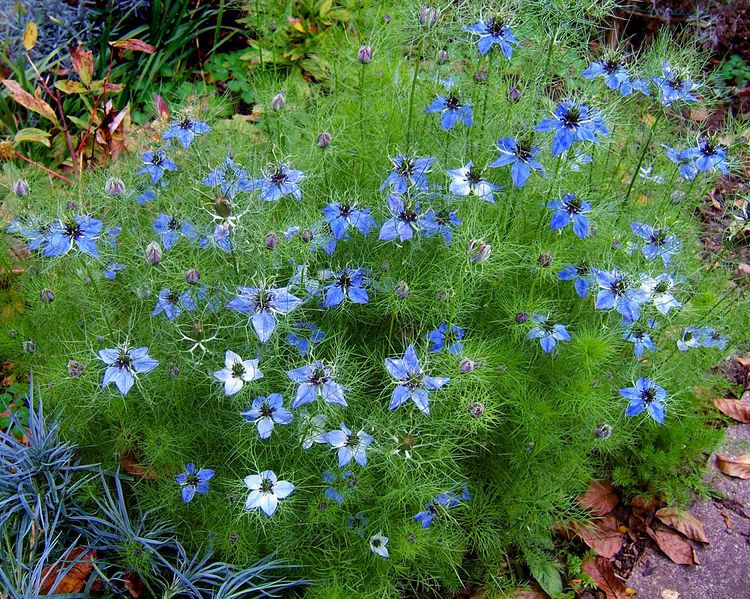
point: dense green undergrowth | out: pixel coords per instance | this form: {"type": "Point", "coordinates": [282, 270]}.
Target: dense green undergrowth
{"type": "Point", "coordinates": [521, 429]}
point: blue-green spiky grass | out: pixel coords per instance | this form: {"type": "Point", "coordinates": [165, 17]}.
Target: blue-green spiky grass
{"type": "Point", "coordinates": [533, 449]}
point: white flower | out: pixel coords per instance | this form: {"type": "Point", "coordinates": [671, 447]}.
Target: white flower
{"type": "Point", "coordinates": [660, 292]}
{"type": "Point", "coordinates": [265, 491]}
{"type": "Point", "coordinates": [467, 180]}
{"type": "Point", "coordinates": [237, 372]}
{"type": "Point", "coordinates": [378, 544]}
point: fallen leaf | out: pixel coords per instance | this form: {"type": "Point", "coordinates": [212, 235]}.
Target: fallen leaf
{"type": "Point", "coordinates": [738, 410]}
{"type": "Point", "coordinates": [736, 467]}
{"type": "Point", "coordinates": [603, 574]}
{"type": "Point", "coordinates": [75, 577]}
{"type": "Point", "coordinates": [727, 519]}
{"type": "Point", "coordinates": [131, 466]}
{"type": "Point", "coordinates": [532, 593]}
{"type": "Point", "coordinates": [669, 594]}
{"type": "Point", "coordinates": [743, 360]}
{"type": "Point", "coordinates": [683, 522]}
{"type": "Point", "coordinates": [600, 498]}
{"type": "Point", "coordinates": [134, 45]}
{"type": "Point", "coordinates": [602, 535]}
{"type": "Point", "coordinates": [134, 584]}
{"type": "Point", "coordinates": [674, 546]}
{"type": "Point", "coordinates": [162, 108]}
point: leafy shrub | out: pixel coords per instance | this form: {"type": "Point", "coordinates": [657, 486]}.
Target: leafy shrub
{"type": "Point", "coordinates": [173, 295]}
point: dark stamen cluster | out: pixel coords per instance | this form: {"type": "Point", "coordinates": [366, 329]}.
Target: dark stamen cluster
{"type": "Point", "coordinates": [619, 286]}
{"type": "Point", "coordinates": [408, 216]}
{"type": "Point", "coordinates": [406, 167]}
{"type": "Point", "coordinates": [474, 176]}
{"type": "Point", "coordinates": [572, 118]}
{"type": "Point", "coordinates": [238, 370]}
{"type": "Point", "coordinates": [453, 102]}
{"type": "Point", "coordinates": [173, 297]}
{"type": "Point", "coordinates": [279, 176]}
{"type": "Point", "coordinates": [124, 361]}
{"type": "Point", "coordinates": [73, 230]}
{"type": "Point", "coordinates": [648, 395]}
{"type": "Point", "coordinates": [318, 376]}
{"type": "Point", "coordinates": [659, 237]}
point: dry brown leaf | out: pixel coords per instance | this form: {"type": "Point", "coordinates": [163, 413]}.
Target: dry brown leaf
{"type": "Point", "coordinates": [83, 63]}
{"type": "Point", "coordinates": [131, 466]}
{"type": "Point", "coordinates": [533, 593]}
{"type": "Point", "coordinates": [76, 576]}
{"type": "Point", "coordinates": [135, 45]}
{"type": "Point", "coordinates": [683, 522]}
{"type": "Point", "coordinates": [134, 584]}
{"type": "Point", "coordinates": [743, 360]}
{"type": "Point", "coordinates": [33, 103]}
{"type": "Point", "coordinates": [600, 498]}
{"type": "Point", "coordinates": [736, 467]}
{"type": "Point", "coordinates": [603, 574]}
{"type": "Point", "coordinates": [602, 535]}
{"type": "Point", "coordinates": [674, 546]}
{"type": "Point", "coordinates": [737, 409]}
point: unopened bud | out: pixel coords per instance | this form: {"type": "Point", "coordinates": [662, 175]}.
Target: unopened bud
{"type": "Point", "coordinates": [522, 317]}
{"type": "Point", "coordinates": [402, 290]}
{"type": "Point", "coordinates": [47, 296]}
{"type": "Point", "coordinates": [223, 206]}
{"type": "Point", "coordinates": [365, 54]}
{"type": "Point", "coordinates": [476, 409]}
{"type": "Point", "coordinates": [29, 346]}
{"type": "Point", "coordinates": [465, 366]}
{"type": "Point", "coordinates": [604, 431]}
{"type": "Point", "coordinates": [514, 95]}
{"type": "Point", "coordinates": [478, 251]}
{"type": "Point", "coordinates": [306, 235]}
{"type": "Point", "coordinates": [443, 56]}
{"type": "Point", "coordinates": [428, 15]}
{"type": "Point", "coordinates": [481, 76]}
{"type": "Point", "coordinates": [271, 240]}
{"type": "Point", "coordinates": [75, 369]}
{"type": "Point", "coordinates": [20, 188]}
{"type": "Point", "coordinates": [114, 187]}
{"type": "Point", "coordinates": [324, 140]}
{"type": "Point", "coordinates": [192, 277]}
{"type": "Point", "coordinates": [279, 101]}
{"type": "Point", "coordinates": [544, 260]}
{"type": "Point", "coordinates": [153, 252]}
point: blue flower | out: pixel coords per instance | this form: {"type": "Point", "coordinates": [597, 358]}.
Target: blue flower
{"type": "Point", "coordinates": [303, 344]}
{"type": "Point", "coordinates": [112, 270]}
{"type": "Point", "coordinates": [446, 500]}
{"type": "Point", "coordinates": [440, 222]}
{"type": "Point", "coordinates": [230, 178]}
{"type": "Point", "coordinates": [220, 236]}
{"type": "Point", "coordinates": [412, 382]}
{"type": "Point", "coordinates": [124, 364]}
{"type": "Point", "coordinates": [350, 448]}
{"type": "Point", "coordinates": [281, 181]}
{"type": "Point", "coordinates": [266, 491]}
{"type": "Point", "coordinates": [185, 131]}
{"type": "Point", "coordinates": [171, 303]}
{"type": "Point", "coordinates": [522, 158]}
{"type": "Point", "coordinates": [34, 231]}
{"type": "Point", "coordinates": [237, 372]}
{"type": "Point", "coordinates": [351, 284]}
{"type": "Point", "coordinates": [147, 195]}
{"type": "Point", "coordinates": [112, 234]}
{"type": "Point", "coordinates": [684, 159]}
{"type": "Point", "coordinates": [573, 122]}
{"type": "Point", "coordinates": [452, 110]}
{"type": "Point", "coordinates": [660, 243]}
{"type": "Point", "coordinates": [341, 486]}
{"type": "Point", "coordinates": [82, 231]}
{"type": "Point", "coordinates": [170, 230]}
{"type": "Point", "coordinates": [547, 333]}
{"type": "Point", "coordinates": [579, 159]}
{"type": "Point", "coordinates": [342, 215]}
{"type": "Point", "coordinates": [710, 337]}
{"type": "Point", "coordinates": [616, 291]}
{"type": "Point", "coordinates": [674, 87]}
{"type": "Point", "coordinates": [312, 429]}
{"type": "Point", "coordinates": [263, 303]}
{"type": "Point", "coordinates": [615, 76]}
{"type": "Point", "coordinates": [468, 180]}
{"type": "Point", "coordinates": [494, 31]}
{"type": "Point", "coordinates": [440, 335]}
{"type": "Point", "coordinates": [569, 209]}
{"type": "Point", "coordinates": [639, 336]}
{"type": "Point", "coordinates": [408, 171]}
{"type": "Point", "coordinates": [582, 275]}
{"type": "Point", "coordinates": [404, 222]}
{"type": "Point", "coordinates": [267, 411]}
{"type": "Point", "coordinates": [155, 164]}
{"type": "Point", "coordinates": [357, 523]}
{"type": "Point", "coordinates": [194, 481]}
{"type": "Point", "coordinates": [711, 154]}
{"type": "Point", "coordinates": [648, 396]}
{"type": "Point", "coordinates": [316, 380]}
{"type": "Point", "coordinates": [691, 337]}
{"type": "Point", "coordinates": [659, 291]}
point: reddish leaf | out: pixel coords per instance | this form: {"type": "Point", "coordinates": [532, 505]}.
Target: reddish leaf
{"type": "Point", "coordinates": [739, 410]}
{"type": "Point", "coordinates": [162, 109]}
{"type": "Point", "coordinates": [134, 45]}
{"type": "Point", "coordinates": [603, 574]}
{"type": "Point", "coordinates": [131, 466]}
{"type": "Point", "coordinates": [83, 63]}
{"type": "Point", "coordinates": [75, 577]}
{"type": "Point", "coordinates": [674, 546]}
{"type": "Point", "coordinates": [134, 584]}
{"type": "Point", "coordinates": [33, 103]}
{"type": "Point", "coordinates": [600, 498]}
{"type": "Point", "coordinates": [683, 522]}
{"type": "Point", "coordinates": [744, 361]}
{"type": "Point", "coordinates": [602, 535]}
{"type": "Point", "coordinates": [736, 467]}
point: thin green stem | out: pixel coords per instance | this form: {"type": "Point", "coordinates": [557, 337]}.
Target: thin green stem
{"type": "Point", "coordinates": [646, 145]}
{"type": "Point", "coordinates": [417, 68]}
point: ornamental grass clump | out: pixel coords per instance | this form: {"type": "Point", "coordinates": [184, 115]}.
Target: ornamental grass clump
{"type": "Point", "coordinates": [402, 353]}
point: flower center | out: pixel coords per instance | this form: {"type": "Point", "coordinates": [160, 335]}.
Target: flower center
{"type": "Point", "coordinates": [172, 223]}
{"type": "Point", "coordinates": [414, 381]}
{"type": "Point", "coordinates": [238, 370]}
{"type": "Point", "coordinates": [318, 376]}
{"type": "Point", "coordinates": [648, 395]}
{"type": "Point", "coordinates": [662, 287]}
{"type": "Point", "coordinates": [186, 124]}
{"type": "Point", "coordinates": [496, 26]}
{"type": "Point", "coordinates": [405, 167]}
{"type": "Point", "coordinates": [572, 118]}
{"type": "Point", "coordinates": [73, 230]}
{"type": "Point", "coordinates": [408, 216]}
{"type": "Point", "coordinates": [266, 410]}
{"type": "Point", "coordinates": [619, 286]}
{"type": "Point", "coordinates": [344, 281]}
{"type": "Point", "coordinates": [266, 486]}
{"type": "Point", "coordinates": [659, 237]}
{"type": "Point", "coordinates": [453, 103]}
{"type": "Point", "coordinates": [345, 210]}
{"type": "Point", "coordinates": [573, 206]}
{"type": "Point", "coordinates": [124, 361]}
{"type": "Point", "coordinates": [279, 176]}
{"type": "Point", "coordinates": [157, 160]}
{"type": "Point", "coordinates": [173, 297]}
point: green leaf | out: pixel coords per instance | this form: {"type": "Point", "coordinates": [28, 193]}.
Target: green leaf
{"type": "Point", "coordinates": [325, 8]}
{"type": "Point", "coordinates": [547, 575]}
{"type": "Point", "coordinates": [68, 86]}
{"type": "Point", "coordinates": [82, 124]}
{"type": "Point", "coordinates": [31, 134]}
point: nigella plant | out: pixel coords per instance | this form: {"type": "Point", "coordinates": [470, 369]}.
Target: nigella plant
{"type": "Point", "coordinates": [660, 243]}
{"type": "Point", "coordinates": [316, 380]}
{"type": "Point", "coordinates": [521, 156]}
{"type": "Point", "coordinates": [185, 131]}
{"type": "Point", "coordinates": [444, 336]}
{"type": "Point", "coordinates": [342, 215]}
{"type": "Point", "coordinates": [439, 222]}
{"type": "Point", "coordinates": [405, 219]}
{"type": "Point", "coordinates": [341, 485]}
{"type": "Point", "coordinates": [710, 337]}
{"type": "Point", "coordinates": [493, 31]}
{"type": "Point", "coordinates": [444, 500]}
{"type": "Point", "coordinates": [351, 284]}
{"type": "Point", "coordinates": [408, 172]}
{"type": "Point", "coordinates": [351, 448]}
{"type": "Point", "coordinates": [616, 76]}
{"type": "Point", "coordinates": [230, 178]}
{"type": "Point", "coordinates": [451, 110]}
{"type": "Point", "coordinates": [267, 412]}
{"type": "Point", "coordinates": [673, 86]}
{"type": "Point", "coordinates": [691, 337]}
{"type": "Point", "coordinates": [411, 381]}
{"type": "Point", "coordinates": [170, 230]}
{"type": "Point", "coordinates": [263, 303]}
{"type": "Point", "coordinates": [468, 180]}
{"type": "Point", "coordinates": [170, 303]}
{"type": "Point", "coordinates": [265, 491]}
{"type": "Point", "coordinates": [547, 333]}
{"type": "Point", "coordinates": [308, 335]}
{"type": "Point", "coordinates": [81, 232]}
{"type": "Point", "coordinates": [616, 291]}
{"type": "Point", "coordinates": [570, 209]}
{"type": "Point", "coordinates": [279, 181]}
{"type": "Point", "coordinates": [639, 336]}
{"type": "Point", "coordinates": [684, 159]}
{"type": "Point", "coordinates": [237, 372]}
{"type": "Point", "coordinates": [659, 291]}
{"type": "Point", "coordinates": [711, 154]}
{"type": "Point", "coordinates": [155, 165]}
{"type": "Point", "coordinates": [123, 365]}
{"type": "Point", "coordinates": [33, 230]}
{"type": "Point", "coordinates": [573, 121]}
{"type": "Point", "coordinates": [194, 481]}
{"type": "Point", "coordinates": [581, 274]}
{"type": "Point", "coordinates": [647, 396]}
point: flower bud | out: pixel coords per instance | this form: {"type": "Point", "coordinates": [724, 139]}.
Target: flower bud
{"type": "Point", "coordinates": [604, 431]}
{"type": "Point", "coordinates": [442, 295]}
{"type": "Point", "coordinates": [75, 369]}
{"type": "Point", "coordinates": [279, 101]}
{"type": "Point", "coordinates": [522, 317]}
{"type": "Point", "coordinates": [402, 290]}
{"type": "Point", "coordinates": [428, 15]}
{"type": "Point", "coordinates": [271, 240]}
{"type": "Point", "coordinates": [465, 365]}
{"type": "Point", "coordinates": [544, 260]}
{"type": "Point", "coordinates": [114, 187]}
{"type": "Point", "coordinates": [306, 235]}
{"type": "Point", "coordinates": [365, 54]}
{"type": "Point", "coordinates": [46, 295]}
{"type": "Point", "coordinates": [153, 252]}
{"type": "Point", "coordinates": [174, 371]}
{"type": "Point", "coordinates": [324, 140]}
{"type": "Point", "coordinates": [20, 188]}
{"type": "Point", "coordinates": [443, 56]}
{"type": "Point", "coordinates": [192, 277]}
{"type": "Point", "coordinates": [476, 409]}
{"type": "Point", "coordinates": [385, 266]}
{"type": "Point", "coordinates": [223, 206]}
{"type": "Point", "coordinates": [478, 251]}
{"type": "Point", "coordinates": [29, 346]}
{"type": "Point", "coordinates": [481, 76]}
{"type": "Point", "coordinates": [71, 205]}
{"type": "Point", "coordinates": [514, 95]}
{"type": "Point", "coordinates": [387, 19]}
